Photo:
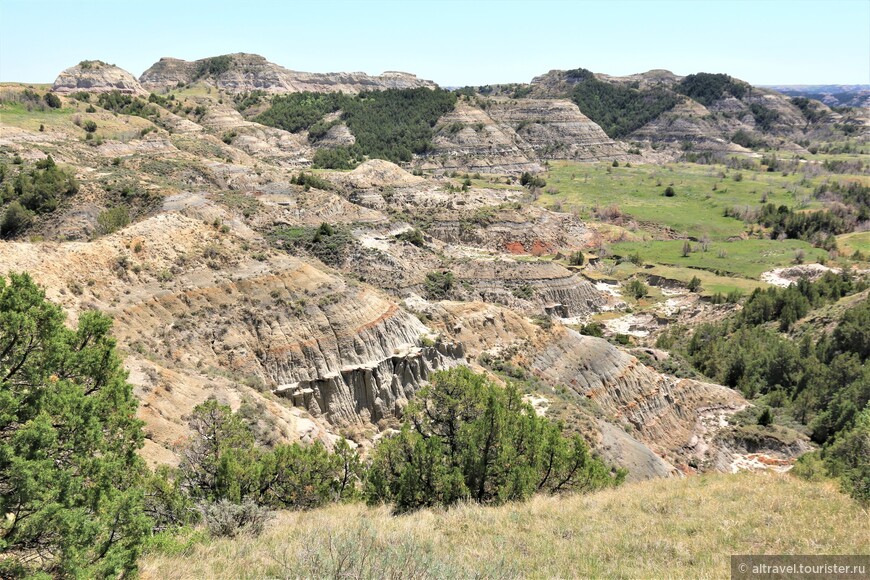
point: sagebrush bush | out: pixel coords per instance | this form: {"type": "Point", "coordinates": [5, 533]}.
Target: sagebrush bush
{"type": "Point", "coordinates": [225, 519]}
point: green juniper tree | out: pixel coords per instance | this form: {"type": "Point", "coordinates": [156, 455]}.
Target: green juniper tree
{"type": "Point", "coordinates": [70, 503]}
{"type": "Point", "coordinates": [467, 438]}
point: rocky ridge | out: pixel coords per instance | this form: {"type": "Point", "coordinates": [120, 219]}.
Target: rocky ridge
{"type": "Point", "coordinates": [250, 72]}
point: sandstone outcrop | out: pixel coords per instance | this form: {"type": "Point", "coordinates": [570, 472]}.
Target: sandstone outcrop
{"type": "Point", "coordinates": [661, 412]}
{"type": "Point", "coordinates": [251, 72]}
{"type": "Point", "coordinates": [344, 353]}
{"type": "Point", "coordinates": [468, 139]}
{"type": "Point", "coordinates": [556, 129]}
{"type": "Point", "coordinates": [537, 287]}
{"type": "Point", "coordinates": [376, 173]}
{"type": "Point", "coordinates": [97, 77]}
{"type": "Point", "coordinates": [689, 122]}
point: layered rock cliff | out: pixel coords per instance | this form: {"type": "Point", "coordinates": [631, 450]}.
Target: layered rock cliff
{"type": "Point", "coordinates": [555, 129]}
{"type": "Point", "coordinates": [240, 72]}
{"type": "Point", "coordinates": [97, 76]}
{"type": "Point", "coordinates": [186, 298]}
{"type": "Point", "coordinates": [652, 419]}
{"type": "Point", "coordinates": [536, 287]}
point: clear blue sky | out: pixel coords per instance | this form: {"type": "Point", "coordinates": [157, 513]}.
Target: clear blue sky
{"type": "Point", "coordinates": [451, 42]}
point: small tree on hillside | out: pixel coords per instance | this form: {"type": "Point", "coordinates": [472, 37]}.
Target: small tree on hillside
{"type": "Point", "coordinates": [52, 100]}
{"type": "Point", "coordinates": [687, 249]}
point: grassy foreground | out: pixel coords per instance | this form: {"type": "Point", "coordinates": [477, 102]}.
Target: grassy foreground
{"type": "Point", "coordinates": [663, 528]}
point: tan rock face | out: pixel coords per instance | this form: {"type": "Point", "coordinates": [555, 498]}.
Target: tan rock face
{"type": "Point", "coordinates": [691, 122]}
{"type": "Point", "coordinates": [376, 173]}
{"type": "Point", "coordinates": [97, 77]}
{"type": "Point", "coordinates": [535, 287]}
{"type": "Point", "coordinates": [515, 135]}
{"type": "Point", "coordinates": [662, 412]}
{"type": "Point", "coordinates": [468, 139]}
{"type": "Point", "coordinates": [556, 129]}
{"type": "Point", "coordinates": [333, 352]}
{"type": "Point", "coordinates": [249, 72]}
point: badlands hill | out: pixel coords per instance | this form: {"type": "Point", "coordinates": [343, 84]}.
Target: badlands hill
{"type": "Point", "coordinates": [576, 114]}
{"type": "Point", "coordinates": [218, 289]}
{"type": "Point", "coordinates": [323, 300]}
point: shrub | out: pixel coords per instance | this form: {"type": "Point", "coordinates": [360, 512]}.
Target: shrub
{"type": "Point", "coordinates": [112, 220]}
{"type": "Point", "coordinates": [39, 189]}
{"type": "Point", "coordinates": [530, 181]}
{"type": "Point", "coordinates": [413, 236]}
{"type": "Point", "coordinates": [636, 259]}
{"type": "Point", "coordinates": [637, 289]}
{"type": "Point", "coordinates": [225, 519]}
{"type": "Point", "coordinates": [334, 158]}
{"type": "Point", "coordinates": [329, 244]}
{"type": "Point", "coordinates": [467, 438]}
{"type": "Point", "coordinates": [52, 100]}
{"type": "Point", "coordinates": [15, 220]}
{"type": "Point", "coordinates": [309, 180]}
{"type": "Point", "coordinates": [438, 285]}
{"type": "Point", "coordinates": [694, 284]}
{"type": "Point", "coordinates": [687, 249]}
{"type": "Point", "coordinates": [89, 125]}
{"type": "Point", "coordinates": [669, 191]}
{"type": "Point", "coordinates": [118, 102]}
{"type": "Point", "coordinates": [592, 329]}
{"type": "Point", "coordinates": [576, 258]}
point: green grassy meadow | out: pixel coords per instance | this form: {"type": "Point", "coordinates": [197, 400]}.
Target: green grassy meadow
{"type": "Point", "coordinates": [737, 253]}
{"type": "Point", "coordinates": [696, 210]}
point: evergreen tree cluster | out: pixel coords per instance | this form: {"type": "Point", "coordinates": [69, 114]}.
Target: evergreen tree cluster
{"type": "Point", "coordinates": [811, 226]}
{"type": "Point", "coordinates": [393, 124]}
{"type": "Point", "coordinates": [822, 383]}
{"type": "Point", "coordinates": [707, 88]}
{"type": "Point", "coordinates": [466, 438]}
{"type": "Point", "coordinates": [69, 467]}
{"type": "Point", "coordinates": [808, 109]}
{"type": "Point", "coordinates": [78, 501]}
{"type": "Point", "coordinates": [124, 104]}
{"type": "Point", "coordinates": [618, 109]}
{"type": "Point", "coordinates": [32, 191]}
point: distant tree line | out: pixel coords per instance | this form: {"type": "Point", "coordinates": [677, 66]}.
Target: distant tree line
{"type": "Point", "coordinates": [393, 124]}
{"type": "Point", "coordinates": [707, 88]}
{"type": "Point", "coordinates": [617, 109]}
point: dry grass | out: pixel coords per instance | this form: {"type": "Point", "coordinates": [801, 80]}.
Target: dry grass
{"type": "Point", "coordinates": [663, 528]}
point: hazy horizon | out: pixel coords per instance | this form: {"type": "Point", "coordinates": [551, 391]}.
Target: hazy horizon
{"type": "Point", "coordinates": [452, 43]}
